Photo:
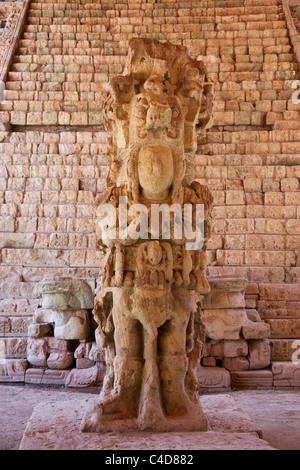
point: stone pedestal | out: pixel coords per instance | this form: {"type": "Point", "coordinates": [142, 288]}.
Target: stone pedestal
{"type": "Point", "coordinates": [55, 426]}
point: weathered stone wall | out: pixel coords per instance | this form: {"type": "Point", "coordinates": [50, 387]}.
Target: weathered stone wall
{"type": "Point", "coordinates": [53, 160]}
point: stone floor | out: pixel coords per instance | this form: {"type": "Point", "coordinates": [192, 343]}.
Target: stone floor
{"type": "Point", "coordinates": [276, 413]}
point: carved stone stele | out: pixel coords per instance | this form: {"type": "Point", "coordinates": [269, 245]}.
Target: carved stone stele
{"type": "Point", "coordinates": [148, 307]}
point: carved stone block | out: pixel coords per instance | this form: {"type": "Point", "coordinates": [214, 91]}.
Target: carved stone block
{"type": "Point", "coordinates": [37, 352]}
{"type": "Point", "coordinates": [97, 353]}
{"type": "Point", "coordinates": [60, 360]}
{"type": "Point", "coordinates": [286, 374]}
{"type": "Point", "coordinates": [282, 349]}
{"type": "Point", "coordinates": [259, 354]}
{"type": "Point", "coordinates": [253, 315]}
{"type": "Point", "coordinates": [252, 379]}
{"type": "Point", "coordinates": [37, 330]}
{"type": "Point", "coordinates": [84, 363]}
{"type": "Point", "coordinates": [43, 316]}
{"type": "Point", "coordinates": [223, 300]}
{"type": "Point", "coordinates": [287, 328]}
{"type": "Point", "coordinates": [224, 323]}
{"type": "Point", "coordinates": [65, 293]}
{"type": "Point", "coordinates": [33, 376]}
{"type": "Point", "coordinates": [13, 370]}
{"type": "Point", "coordinates": [82, 377]}
{"type": "Point", "coordinates": [61, 344]}
{"type": "Point", "coordinates": [83, 349]}
{"type": "Point", "coordinates": [229, 348]}
{"type": "Point", "coordinates": [228, 284]}
{"type": "Point", "coordinates": [54, 377]}
{"type": "Point", "coordinates": [213, 377]}
{"type": "Point", "coordinates": [42, 376]}
{"type": "Point", "coordinates": [224, 308]}
{"type": "Point", "coordinates": [71, 324]}
{"type": "Point", "coordinates": [255, 330]}
{"type": "Point", "coordinates": [209, 362]}
{"type": "Point", "coordinates": [235, 363]}
{"type": "Point", "coordinates": [13, 348]}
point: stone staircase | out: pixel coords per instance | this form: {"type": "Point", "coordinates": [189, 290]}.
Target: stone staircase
{"type": "Point", "coordinates": [53, 160]}
{"type": "Point", "coordinates": [69, 50]}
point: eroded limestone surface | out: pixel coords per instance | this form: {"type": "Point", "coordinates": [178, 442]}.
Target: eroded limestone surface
{"type": "Point", "coordinates": [54, 425]}
{"type": "Point", "coordinates": [148, 309]}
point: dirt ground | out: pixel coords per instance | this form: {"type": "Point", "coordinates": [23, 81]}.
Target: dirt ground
{"type": "Point", "coordinates": [277, 413]}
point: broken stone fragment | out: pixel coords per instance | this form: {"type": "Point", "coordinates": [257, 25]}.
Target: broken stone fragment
{"type": "Point", "coordinates": [213, 377]}
{"type": "Point", "coordinates": [219, 300]}
{"type": "Point", "coordinates": [259, 354]}
{"type": "Point", "coordinates": [91, 351]}
{"type": "Point", "coordinates": [56, 301]}
{"type": "Point", "coordinates": [286, 374]}
{"type": "Point", "coordinates": [236, 363]}
{"type": "Point", "coordinates": [34, 375]}
{"type": "Point", "coordinates": [82, 377]}
{"type": "Point", "coordinates": [84, 363]}
{"type": "Point", "coordinates": [253, 315]}
{"type": "Point", "coordinates": [43, 316]}
{"type": "Point", "coordinates": [209, 362]}
{"type": "Point", "coordinates": [13, 370]}
{"type": "Point", "coordinates": [97, 353]}
{"type": "Point", "coordinates": [37, 330]}
{"type": "Point", "coordinates": [46, 376]}
{"type": "Point", "coordinates": [61, 344]}
{"type": "Point", "coordinates": [256, 330]}
{"type": "Point", "coordinates": [63, 302]}
{"type": "Point", "coordinates": [60, 360]}
{"type": "Point", "coordinates": [13, 348]}
{"type": "Point", "coordinates": [224, 323]}
{"type": "Point", "coordinates": [37, 352]}
{"type": "Point", "coordinates": [224, 311]}
{"type": "Point", "coordinates": [65, 293]}
{"type": "Point", "coordinates": [246, 379]}
{"type": "Point", "coordinates": [82, 350]}
{"type": "Point", "coordinates": [228, 284]}
{"type": "Point", "coordinates": [71, 324]}
{"type": "Point", "coordinates": [230, 348]}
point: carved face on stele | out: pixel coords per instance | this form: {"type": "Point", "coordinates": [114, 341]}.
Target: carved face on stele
{"type": "Point", "coordinates": [156, 132]}
{"type": "Point", "coordinates": [156, 118]}
{"type": "Point", "coordinates": [155, 171]}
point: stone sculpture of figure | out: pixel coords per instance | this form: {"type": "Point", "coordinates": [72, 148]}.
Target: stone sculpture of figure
{"type": "Point", "coordinates": [148, 307]}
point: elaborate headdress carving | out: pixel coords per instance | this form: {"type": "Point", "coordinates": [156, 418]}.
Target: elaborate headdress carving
{"type": "Point", "coordinates": [168, 71]}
